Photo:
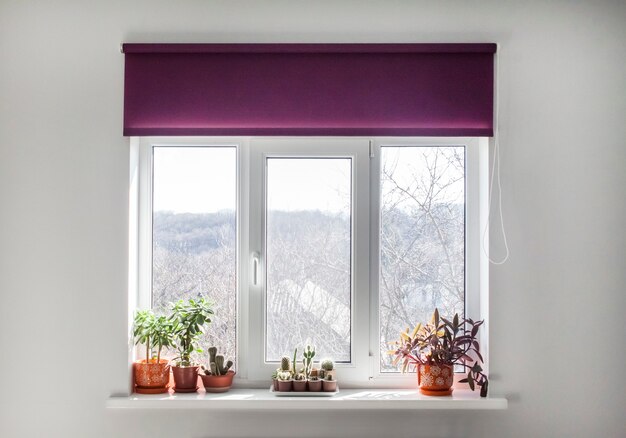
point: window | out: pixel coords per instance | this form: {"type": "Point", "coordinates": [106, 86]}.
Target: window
{"type": "Point", "coordinates": [337, 242]}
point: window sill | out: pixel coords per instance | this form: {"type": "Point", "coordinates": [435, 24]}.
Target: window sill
{"type": "Point", "coordinates": [349, 399]}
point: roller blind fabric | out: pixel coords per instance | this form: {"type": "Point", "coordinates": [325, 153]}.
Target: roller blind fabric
{"type": "Point", "coordinates": [309, 89]}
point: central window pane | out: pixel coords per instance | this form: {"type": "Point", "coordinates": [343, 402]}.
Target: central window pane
{"type": "Point", "coordinates": [308, 254]}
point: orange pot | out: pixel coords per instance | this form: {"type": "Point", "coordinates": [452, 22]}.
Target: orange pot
{"type": "Point", "coordinates": [218, 383]}
{"type": "Point", "coordinates": [151, 376]}
{"type": "Point", "coordinates": [435, 379]}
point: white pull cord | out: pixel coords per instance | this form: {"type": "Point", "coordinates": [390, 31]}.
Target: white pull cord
{"type": "Point", "coordinates": [495, 174]}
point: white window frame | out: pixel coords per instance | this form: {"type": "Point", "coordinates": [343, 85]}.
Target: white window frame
{"type": "Point", "coordinates": [363, 371]}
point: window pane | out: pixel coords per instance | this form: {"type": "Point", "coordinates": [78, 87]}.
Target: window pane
{"type": "Point", "coordinates": [308, 254]}
{"type": "Point", "coordinates": [422, 238]}
{"type": "Point", "coordinates": [194, 234]}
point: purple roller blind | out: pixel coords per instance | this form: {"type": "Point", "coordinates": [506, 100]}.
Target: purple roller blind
{"type": "Point", "coordinates": [309, 89]}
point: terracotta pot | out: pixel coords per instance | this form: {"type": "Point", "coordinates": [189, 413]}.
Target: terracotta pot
{"type": "Point", "coordinates": [151, 377]}
{"type": "Point", "coordinates": [315, 385]}
{"type": "Point", "coordinates": [329, 385]}
{"type": "Point", "coordinates": [275, 384]}
{"type": "Point", "coordinates": [218, 383]}
{"type": "Point", "coordinates": [284, 385]}
{"type": "Point", "coordinates": [185, 379]}
{"type": "Point", "coordinates": [435, 379]}
{"type": "Point", "coordinates": [299, 385]}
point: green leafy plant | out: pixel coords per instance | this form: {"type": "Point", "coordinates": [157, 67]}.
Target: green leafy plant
{"type": "Point", "coordinates": [216, 364]}
{"type": "Point", "coordinates": [188, 319]}
{"type": "Point", "coordinates": [152, 331]}
{"type": "Point", "coordinates": [444, 342]}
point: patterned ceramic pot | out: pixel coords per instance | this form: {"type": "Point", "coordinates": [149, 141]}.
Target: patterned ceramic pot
{"type": "Point", "coordinates": [151, 375]}
{"type": "Point", "coordinates": [435, 379]}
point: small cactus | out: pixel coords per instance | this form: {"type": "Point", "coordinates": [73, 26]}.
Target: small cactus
{"type": "Point", "coordinates": [309, 354]}
{"type": "Point", "coordinates": [284, 375]}
{"type": "Point", "coordinates": [327, 365]}
{"type": "Point", "coordinates": [285, 363]}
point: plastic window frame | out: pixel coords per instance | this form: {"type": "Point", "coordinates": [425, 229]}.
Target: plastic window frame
{"type": "Point", "coordinates": [363, 371]}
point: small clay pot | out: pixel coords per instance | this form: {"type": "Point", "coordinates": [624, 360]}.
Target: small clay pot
{"type": "Point", "coordinates": [185, 379]}
{"type": "Point", "coordinates": [151, 377]}
{"type": "Point", "coordinates": [275, 384]}
{"type": "Point", "coordinates": [218, 383]}
{"type": "Point", "coordinates": [315, 385]}
{"type": "Point", "coordinates": [435, 380]}
{"type": "Point", "coordinates": [329, 385]}
{"type": "Point", "coordinates": [299, 385]}
{"type": "Point", "coordinates": [284, 385]}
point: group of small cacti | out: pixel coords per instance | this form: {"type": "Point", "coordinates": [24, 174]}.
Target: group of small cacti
{"type": "Point", "coordinates": [216, 364]}
{"type": "Point", "coordinates": [288, 377]}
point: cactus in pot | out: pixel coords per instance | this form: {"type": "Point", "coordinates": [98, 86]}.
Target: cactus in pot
{"type": "Point", "coordinates": [284, 381]}
{"type": "Point", "coordinates": [307, 361]}
{"type": "Point", "coordinates": [219, 376]}
{"type": "Point", "coordinates": [327, 368]}
{"type": "Point", "coordinates": [216, 363]}
{"type": "Point", "coordinates": [329, 384]}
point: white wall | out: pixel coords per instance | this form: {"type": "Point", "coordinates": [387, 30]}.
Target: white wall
{"type": "Point", "coordinates": [557, 308]}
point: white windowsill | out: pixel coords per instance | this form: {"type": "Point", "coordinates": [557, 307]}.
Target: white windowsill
{"type": "Point", "coordinates": [349, 399]}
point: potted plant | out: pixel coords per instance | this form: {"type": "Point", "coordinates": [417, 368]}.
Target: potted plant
{"type": "Point", "coordinates": [284, 381]}
{"type": "Point", "coordinates": [435, 348]}
{"type": "Point", "coordinates": [188, 319]}
{"type": "Point", "coordinates": [329, 384]}
{"type": "Point", "coordinates": [299, 382]}
{"type": "Point", "coordinates": [219, 376]}
{"type": "Point", "coordinates": [314, 384]}
{"type": "Point", "coordinates": [275, 379]}
{"type": "Point", "coordinates": [327, 368]}
{"type": "Point", "coordinates": [152, 374]}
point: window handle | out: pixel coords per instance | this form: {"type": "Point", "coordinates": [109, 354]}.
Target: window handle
{"type": "Point", "coordinates": [255, 268]}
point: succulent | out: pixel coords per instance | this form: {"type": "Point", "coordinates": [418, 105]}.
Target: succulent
{"type": "Point", "coordinates": [307, 361]}
{"type": "Point", "coordinates": [444, 342]}
{"type": "Point", "coordinates": [216, 363]}
{"type": "Point", "coordinates": [295, 353]}
{"type": "Point", "coordinates": [329, 377]}
{"type": "Point", "coordinates": [285, 376]}
{"type": "Point", "coordinates": [299, 376]}
{"type": "Point", "coordinates": [327, 365]}
{"type": "Point", "coordinates": [285, 363]}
